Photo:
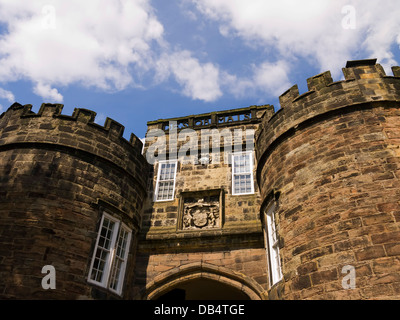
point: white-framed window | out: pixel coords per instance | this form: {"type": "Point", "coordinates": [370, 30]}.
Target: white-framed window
{"type": "Point", "coordinates": [107, 268]}
{"type": "Point", "coordinates": [272, 245]}
{"type": "Point", "coordinates": [242, 173]}
{"type": "Point", "coordinates": [165, 186]}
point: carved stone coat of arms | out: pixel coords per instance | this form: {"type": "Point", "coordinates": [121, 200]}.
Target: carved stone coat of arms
{"type": "Point", "coordinates": [201, 215]}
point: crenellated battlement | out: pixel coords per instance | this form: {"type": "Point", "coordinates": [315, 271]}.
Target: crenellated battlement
{"type": "Point", "coordinates": [21, 127]}
{"type": "Point", "coordinates": [361, 71]}
{"type": "Point", "coordinates": [111, 127]}
{"type": "Point", "coordinates": [364, 82]}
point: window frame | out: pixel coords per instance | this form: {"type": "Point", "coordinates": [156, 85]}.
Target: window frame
{"type": "Point", "coordinates": [272, 245]}
{"type": "Point", "coordinates": [108, 268]}
{"type": "Point", "coordinates": [160, 163]}
{"type": "Point", "coordinates": [251, 169]}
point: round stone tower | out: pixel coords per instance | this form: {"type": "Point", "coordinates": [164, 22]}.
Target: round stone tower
{"type": "Point", "coordinates": [59, 176]}
{"type": "Point", "coordinates": [329, 161]}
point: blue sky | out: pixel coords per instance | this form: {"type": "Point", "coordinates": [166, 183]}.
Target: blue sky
{"type": "Point", "coordinates": [141, 60]}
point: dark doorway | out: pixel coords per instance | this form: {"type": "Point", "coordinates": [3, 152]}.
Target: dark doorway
{"type": "Point", "coordinates": [203, 289]}
{"type": "Point", "coordinates": [173, 295]}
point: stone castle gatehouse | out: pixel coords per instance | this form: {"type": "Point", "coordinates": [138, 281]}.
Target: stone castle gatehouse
{"type": "Point", "coordinates": [251, 203]}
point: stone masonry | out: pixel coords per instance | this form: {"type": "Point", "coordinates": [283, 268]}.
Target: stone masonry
{"type": "Point", "coordinates": [236, 243]}
{"type": "Point", "coordinates": [328, 162]}
{"type": "Point", "coordinates": [332, 157]}
{"type": "Point", "coordinates": [58, 174]}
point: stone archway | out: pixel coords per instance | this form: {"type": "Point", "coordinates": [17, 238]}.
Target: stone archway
{"type": "Point", "coordinates": [185, 277]}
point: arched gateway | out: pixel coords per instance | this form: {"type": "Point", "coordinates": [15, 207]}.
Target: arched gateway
{"type": "Point", "coordinates": [198, 281]}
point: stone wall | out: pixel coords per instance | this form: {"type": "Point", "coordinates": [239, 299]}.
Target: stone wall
{"type": "Point", "coordinates": [329, 158]}
{"type": "Point", "coordinates": [236, 242]}
{"type": "Point", "coordinates": [332, 157]}
{"type": "Point", "coordinates": [58, 174]}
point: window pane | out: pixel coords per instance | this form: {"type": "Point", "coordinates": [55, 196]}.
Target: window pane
{"type": "Point", "coordinates": [102, 253]}
{"type": "Point", "coordinates": [99, 264]}
{"type": "Point", "coordinates": [235, 164]}
{"type": "Point", "coordinates": [242, 173]}
{"type": "Point", "coordinates": [241, 163]}
{"type": "Point", "coordinates": [242, 183]}
{"type": "Point", "coordinates": [248, 183]}
{"type": "Point", "coordinates": [165, 190]}
{"type": "Point", "coordinates": [167, 171]}
{"type": "Point", "coordinates": [115, 273]}
{"type": "Point", "coordinates": [166, 181]}
{"type": "Point", "coordinates": [119, 260]}
{"type": "Point", "coordinates": [106, 234]}
{"type": "Point", "coordinates": [121, 245]}
{"type": "Point", "coordinates": [163, 171]}
{"type": "Point", "coordinates": [236, 185]}
{"type": "Point", "coordinates": [172, 171]}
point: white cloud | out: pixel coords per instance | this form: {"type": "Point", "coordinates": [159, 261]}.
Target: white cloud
{"type": "Point", "coordinates": [46, 92]}
{"type": "Point", "coordinates": [268, 77]}
{"type": "Point", "coordinates": [106, 44]}
{"type": "Point", "coordinates": [310, 29]}
{"type": "Point", "coordinates": [8, 95]}
{"type": "Point", "coordinates": [272, 76]}
{"type": "Point", "coordinates": [199, 81]}
{"type": "Point", "coordinates": [99, 44]}
{"type": "Point", "coordinates": [114, 44]}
